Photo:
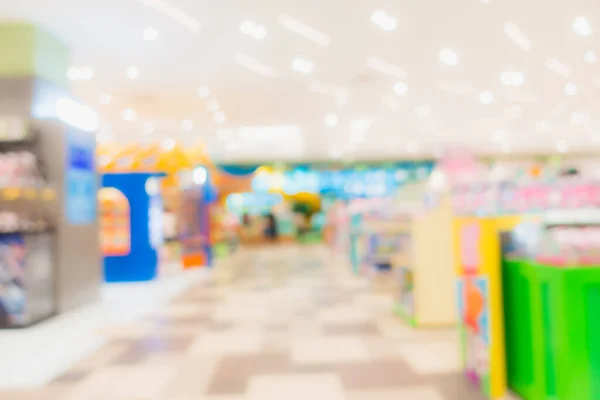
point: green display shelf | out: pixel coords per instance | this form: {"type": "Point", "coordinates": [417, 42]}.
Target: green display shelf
{"type": "Point", "coordinates": [552, 327]}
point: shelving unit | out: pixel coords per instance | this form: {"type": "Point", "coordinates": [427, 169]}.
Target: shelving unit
{"type": "Point", "coordinates": [27, 236]}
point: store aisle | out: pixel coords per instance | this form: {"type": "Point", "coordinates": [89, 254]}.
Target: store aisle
{"type": "Point", "coordinates": [283, 323]}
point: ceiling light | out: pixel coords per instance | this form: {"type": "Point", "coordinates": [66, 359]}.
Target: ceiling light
{"type": "Point", "coordinates": [327, 89]}
{"type": "Point", "coordinates": [562, 146]}
{"type": "Point", "coordinates": [400, 88]}
{"type": "Point", "coordinates": [150, 34]}
{"type": "Point", "coordinates": [304, 30]}
{"type": "Point", "coordinates": [384, 21]}
{"type": "Point", "coordinates": [168, 144]}
{"type": "Point", "coordinates": [104, 99]}
{"type": "Point", "coordinates": [86, 73]}
{"type": "Point", "coordinates": [558, 67]}
{"type": "Point", "coordinates": [517, 36]}
{"type": "Point", "coordinates": [570, 89]}
{"type": "Point", "coordinates": [386, 68]}
{"type": "Point", "coordinates": [212, 106]}
{"type": "Point", "coordinates": [259, 33]}
{"type": "Point", "coordinates": [203, 92]}
{"type": "Point", "coordinates": [183, 18]}
{"type": "Point", "coordinates": [331, 120]}
{"type": "Point", "coordinates": [448, 57]}
{"type": "Point", "coordinates": [302, 65]}
{"type": "Point", "coordinates": [129, 115]}
{"type": "Point", "coordinates": [219, 117]}
{"type": "Point", "coordinates": [133, 72]}
{"type": "Point", "coordinates": [580, 118]}
{"type": "Point", "coordinates": [249, 28]}
{"type": "Point", "coordinates": [187, 125]}
{"type": "Point", "coordinates": [582, 26]}
{"type": "Point", "coordinates": [486, 97]}
{"type": "Point", "coordinates": [590, 57]}
{"type": "Point", "coordinates": [253, 65]}
{"type": "Point", "coordinates": [512, 78]}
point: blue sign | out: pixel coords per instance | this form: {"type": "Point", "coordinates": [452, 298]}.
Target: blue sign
{"type": "Point", "coordinates": [81, 180]}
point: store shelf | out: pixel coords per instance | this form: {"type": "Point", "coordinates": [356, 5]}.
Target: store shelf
{"type": "Point", "coordinates": [27, 193]}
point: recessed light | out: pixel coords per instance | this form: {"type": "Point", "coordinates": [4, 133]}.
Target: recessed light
{"type": "Point", "coordinates": [582, 26]}
{"type": "Point", "coordinates": [512, 78]}
{"type": "Point", "coordinates": [203, 92]}
{"type": "Point", "coordinates": [384, 21]}
{"type": "Point", "coordinates": [212, 106]}
{"type": "Point", "coordinates": [570, 89]}
{"type": "Point", "coordinates": [562, 146]}
{"type": "Point", "coordinates": [558, 67]}
{"type": "Point", "coordinates": [150, 34]}
{"type": "Point", "coordinates": [517, 36]}
{"type": "Point", "coordinates": [254, 65]}
{"type": "Point", "coordinates": [304, 30]}
{"type": "Point", "coordinates": [590, 57]}
{"type": "Point", "coordinates": [219, 117]}
{"type": "Point", "coordinates": [449, 57]}
{"type": "Point", "coordinates": [86, 73]}
{"type": "Point", "coordinates": [249, 28]}
{"type": "Point", "coordinates": [170, 10]}
{"type": "Point", "coordinates": [386, 68]}
{"type": "Point", "coordinates": [301, 65]}
{"type": "Point", "coordinates": [104, 99]}
{"type": "Point", "coordinates": [259, 33]}
{"type": "Point", "coordinates": [133, 72]}
{"type": "Point", "coordinates": [486, 97]}
{"type": "Point", "coordinates": [187, 125]}
{"type": "Point", "coordinates": [331, 120]}
{"type": "Point", "coordinates": [400, 88]}
{"type": "Point", "coordinates": [129, 115]}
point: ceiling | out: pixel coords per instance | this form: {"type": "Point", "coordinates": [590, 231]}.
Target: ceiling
{"type": "Point", "coordinates": [552, 102]}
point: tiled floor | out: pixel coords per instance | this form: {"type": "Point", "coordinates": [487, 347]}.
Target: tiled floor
{"type": "Point", "coordinates": [288, 323]}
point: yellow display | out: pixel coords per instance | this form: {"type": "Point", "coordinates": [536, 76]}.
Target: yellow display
{"type": "Point", "coordinates": [480, 303]}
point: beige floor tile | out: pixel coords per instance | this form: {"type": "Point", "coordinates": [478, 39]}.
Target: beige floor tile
{"type": "Point", "coordinates": [103, 357]}
{"type": "Point", "coordinates": [134, 330]}
{"type": "Point", "coordinates": [229, 342]}
{"type": "Point", "coordinates": [146, 382]}
{"type": "Point", "coordinates": [346, 314]}
{"type": "Point", "coordinates": [424, 393]}
{"type": "Point", "coordinates": [192, 378]}
{"type": "Point", "coordinates": [329, 350]}
{"type": "Point", "coordinates": [296, 387]}
{"type": "Point", "coordinates": [432, 357]}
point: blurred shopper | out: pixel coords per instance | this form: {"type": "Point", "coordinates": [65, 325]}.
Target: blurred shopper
{"type": "Point", "coordinates": [271, 227]}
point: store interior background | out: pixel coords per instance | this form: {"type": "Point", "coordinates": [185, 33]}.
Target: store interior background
{"type": "Point", "coordinates": [143, 144]}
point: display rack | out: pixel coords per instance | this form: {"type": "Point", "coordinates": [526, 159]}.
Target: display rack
{"type": "Point", "coordinates": [27, 236]}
